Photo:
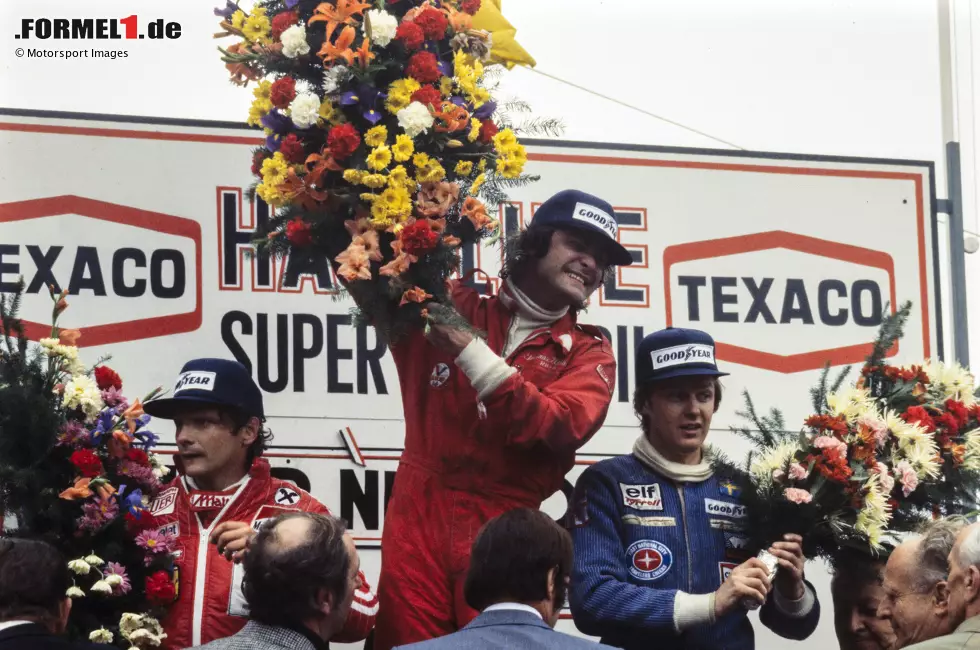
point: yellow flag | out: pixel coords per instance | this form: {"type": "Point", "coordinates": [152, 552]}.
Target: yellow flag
{"type": "Point", "coordinates": [506, 50]}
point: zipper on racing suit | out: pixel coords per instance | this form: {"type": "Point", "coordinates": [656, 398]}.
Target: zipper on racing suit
{"type": "Point", "coordinates": [687, 538]}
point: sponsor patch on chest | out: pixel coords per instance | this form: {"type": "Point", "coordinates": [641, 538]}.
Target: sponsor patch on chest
{"type": "Point", "coordinates": [542, 361]}
{"type": "Point", "coordinates": [642, 497]}
{"type": "Point", "coordinates": [440, 375]}
{"type": "Point", "coordinates": [652, 522]}
{"type": "Point", "coordinates": [724, 509]}
{"type": "Point", "coordinates": [172, 529]}
{"type": "Point", "coordinates": [725, 524]}
{"type": "Point", "coordinates": [164, 503]}
{"type": "Point", "coordinates": [649, 559]}
{"type": "Point", "coordinates": [725, 570]}
{"type": "Point", "coordinates": [209, 500]}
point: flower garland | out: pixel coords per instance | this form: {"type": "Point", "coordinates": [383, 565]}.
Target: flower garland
{"type": "Point", "coordinates": [381, 135]}
{"type": "Point", "coordinates": [103, 453]}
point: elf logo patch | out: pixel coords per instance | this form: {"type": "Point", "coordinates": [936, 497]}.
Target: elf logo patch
{"type": "Point", "coordinates": [724, 509]}
{"type": "Point", "coordinates": [196, 380]}
{"type": "Point", "coordinates": [649, 559]}
{"type": "Point", "coordinates": [781, 301]}
{"type": "Point", "coordinates": [132, 274]}
{"type": "Point", "coordinates": [164, 503]}
{"type": "Point", "coordinates": [597, 217]}
{"type": "Point", "coordinates": [642, 497]}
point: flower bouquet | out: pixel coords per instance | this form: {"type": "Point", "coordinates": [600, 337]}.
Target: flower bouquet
{"type": "Point", "coordinates": [381, 137]}
{"type": "Point", "coordinates": [899, 446]}
{"type": "Point", "coordinates": [78, 470]}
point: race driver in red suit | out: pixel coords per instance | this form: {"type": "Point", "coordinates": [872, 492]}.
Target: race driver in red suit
{"type": "Point", "coordinates": [223, 493]}
{"type": "Point", "coordinates": [494, 425]}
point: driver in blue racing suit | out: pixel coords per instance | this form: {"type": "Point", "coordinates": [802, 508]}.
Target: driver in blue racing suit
{"type": "Point", "coordinates": [658, 537]}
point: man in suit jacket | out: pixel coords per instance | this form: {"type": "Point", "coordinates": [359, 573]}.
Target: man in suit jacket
{"type": "Point", "coordinates": [518, 578]}
{"type": "Point", "coordinates": [301, 572]}
{"type": "Point", "coordinates": [33, 606]}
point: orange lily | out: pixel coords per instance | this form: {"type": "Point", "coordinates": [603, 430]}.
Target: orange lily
{"type": "Point", "coordinates": [119, 444]}
{"type": "Point", "coordinates": [451, 241]}
{"type": "Point", "coordinates": [339, 49]}
{"type": "Point", "coordinates": [451, 118]}
{"type": "Point", "coordinates": [461, 21]}
{"type": "Point", "coordinates": [301, 190]}
{"type": "Point", "coordinates": [959, 453]}
{"type": "Point", "coordinates": [354, 263]}
{"type": "Point", "coordinates": [368, 240]}
{"type": "Point", "coordinates": [341, 14]}
{"type": "Point", "coordinates": [133, 413]}
{"type": "Point", "coordinates": [69, 337]}
{"type": "Point", "coordinates": [78, 491]}
{"type": "Point", "coordinates": [105, 490]}
{"type": "Point", "coordinates": [364, 54]}
{"type": "Point", "coordinates": [317, 165]}
{"type": "Point", "coordinates": [400, 264]}
{"type": "Point", "coordinates": [415, 294]}
{"type": "Point", "coordinates": [474, 210]}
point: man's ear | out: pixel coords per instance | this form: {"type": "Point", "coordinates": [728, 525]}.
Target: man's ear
{"type": "Point", "coordinates": [940, 598]}
{"type": "Point", "coordinates": [64, 610]}
{"type": "Point", "coordinates": [552, 587]}
{"type": "Point", "coordinates": [250, 432]}
{"type": "Point", "coordinates": [325, 602]}
{"type": "Point", "coordinates": [971, 583]}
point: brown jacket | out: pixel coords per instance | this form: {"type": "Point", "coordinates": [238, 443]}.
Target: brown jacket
{"type": "Point", "coordinates": [967, 635]}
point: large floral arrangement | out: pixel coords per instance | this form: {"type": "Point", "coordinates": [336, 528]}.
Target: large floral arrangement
{"type": "Point", "coordinates": [381, 138]}
{"type": "Point", "coordinates": [900, 445]}
{"type": "Point", "coordinates": [78, 470]}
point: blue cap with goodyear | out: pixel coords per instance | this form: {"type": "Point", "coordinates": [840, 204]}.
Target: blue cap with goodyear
{"type": "Point", "coordinates": [215, 382]}
{"type": "Point", "coordinates": [581, 211]}
{"type": "Point", "coordinates": [676, 352]}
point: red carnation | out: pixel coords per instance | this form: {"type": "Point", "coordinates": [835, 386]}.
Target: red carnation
{"type": "Point", "coordinates": [410, 34]}
{"type": "Point", "coordinates": [257, 159]}
{"type": "Point", "coordinates": [298, 232]}
{"type": "Point", "coordinates": [470, 6]}
{"type": "Point", "coordinates": [87, 462]}
{"type": "Point", "coordinates": [487, 130]}
{"type": "Point", "coordinates": [160, 589]}
{"type": "Point", "coordinates": [136, 524]}
{"type": "Point", "coordinates": [138, 456]}
{"type": "Point", "coordinates": [427, 95]}
{"type": "Point", "coordinates": [107, 378]}
{"type": "Point", "coordinates": [292, 149]}
{"type": "Point", "coordinates": [948, 422]}
{"type": "Point", "coordinates": [423, 67]}
{"type": "Point", "coordinates": [918, 415]}
{"type": "Point", "coordinates": [343, 141]}
{"type": "Point", "coordinates": [433, 23]}
{"type": "Point", "coordinates": [283, 92]}
{"type": "Point", "coordinates": [418, 238]}
{"type": "Point", "coordinates": [282, 22]}
{"type": "Point", "coordinates": [959, 411]}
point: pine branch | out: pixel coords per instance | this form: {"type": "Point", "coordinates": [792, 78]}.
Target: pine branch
{"type": "Point", "coordinates": [541, 126]}
{"type": "Point", "coordinates": [891, 330]}
{"type": "Point", "coordinates": [769, 430]}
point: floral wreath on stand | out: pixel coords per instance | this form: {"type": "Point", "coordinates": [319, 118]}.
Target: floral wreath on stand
{"type": "Point", "coordinates": [384, 146]}
{"type": "Point", "coordinates": [78, 470]}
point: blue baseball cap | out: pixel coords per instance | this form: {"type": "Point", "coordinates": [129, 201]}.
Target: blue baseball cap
{"type": "Point", "coordinates": [581, 211]}
{"type": "Point", "coordinates": [217, 382]}
{"type": "Point", "coordinates": [676, 352]}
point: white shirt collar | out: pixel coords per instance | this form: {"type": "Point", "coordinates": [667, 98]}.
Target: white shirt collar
{"type": "Point", "coordinates": [520, 607]}
{"type": "Point", "coordinates": [9, 624]}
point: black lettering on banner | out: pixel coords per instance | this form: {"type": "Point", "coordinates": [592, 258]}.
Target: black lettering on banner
{"type": "Point", "coordinates": [719, 299]}
{"type": "Point", "coordinates": [297, 268]}
{"type": "Point", "coordinates": [871, 288]}
{"type": "Point", "coordinates": [823, 302]}
{"type": "Point", "coordinates": [44, 277]}
{"type": "Point", "coordinates": [335, 354]}
{"type": "Point", "coordinates": [302, 352]}
{"type": "Point", "coordinates": [365, 499]}
{"type": "Point", "coordinates": [758, 292]}
{"type": "Point", "coordinates": [693, 283]}
{"type": "Point", "coordinates": [228, 335]}
{"type": "Point", "coordinates": [235, 238]}
{"type": "Point", "coordinates": [87, 272]}
{"type": "Point", "coordinates": [119, 259]}
{"type": "Point", "coordinates": [610, 289]}
{"type": "Point", "coordinates": [369, 362]}
{"type": "Point", "coordinates": [9, 268]}
{"type": "Point", "coordinates": [282, 353]}
{"type": "Point", "coordinates": [176, 261]}
{"type": "Point", "coordinates": [796, 305]}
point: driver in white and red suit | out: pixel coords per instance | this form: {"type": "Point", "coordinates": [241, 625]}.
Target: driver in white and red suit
{"type": "Point", "coordinates": [223, 493]}
{"type": "Point", "coordinates": [494, 425]}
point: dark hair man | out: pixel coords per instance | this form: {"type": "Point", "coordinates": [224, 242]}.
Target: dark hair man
{"type": "Point", "coordinates": [492, 425]}
{"type": "Point", "coordinates": [224, 491]}
{"type": "Point", "coordinates": [658, 550]}
{"type": "Point", "coordinates": [518, 578]}
{"type": "Point", "coordinates": [301, 573]}
{"type": "Point", "coordinates": [33, 606]}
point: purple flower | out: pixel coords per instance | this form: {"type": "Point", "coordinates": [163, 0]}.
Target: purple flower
{"type": "Point", "coordinates": [227, 11]}
{"type": "Point", "coordinates": [114, 569]}
{"type": "Point", "coordinates": [115, 399]}
{"type": "Point", "coordinates": [485, 111]}
{"type": "Point", "coordinates": [366, 98]}
{"type": "Point", "coordinates": [272, 142]}
{"type": "Point", "coordinates": [72, 431]}
{"type": "Point", "coordinates": [147, 439]}
{"type": "Point", "coordinates": [133, 502]}
{"type": "Point", "coordinates": [291, 3]}
{"type": "Point", "coordinates": [155, 542]}
{"type": "Point", "coordinates": [139, 473]}
{"type": "Point", "coordinates": [277, 122]}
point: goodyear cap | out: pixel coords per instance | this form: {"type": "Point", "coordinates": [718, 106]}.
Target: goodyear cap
{"type": "Point", "coordinates": [217, 382]}
{"type": "Point", "coordinates": [581, 211]}
{"type": "Point", "coordinates": [676, 352]}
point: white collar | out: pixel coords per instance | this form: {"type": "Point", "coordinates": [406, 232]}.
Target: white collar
{"type": "Point", "coordinates": [519, 607]}
{"type": "Point", "coordinates": [9, 624]}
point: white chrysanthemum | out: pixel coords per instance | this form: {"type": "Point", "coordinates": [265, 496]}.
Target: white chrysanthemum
{"type": "Point", "coordinates": [921, 455]}
{"type": "Point", "coordinates": [383, 26]}
{"type": "Point", "coordinates": [54, 348]}
{"type": "Point", "coordinates": [294, 42]}
{"type": "Point", "coordinates": [334, 78]}
{"type": "Point", "coordinates": [140, 627]}
{"type": "Point", "coordinates": [75, 592]}
{"type": "Point", "coordinates": [415, 119]}
{"type": "Point", "coordinates": [971, 459]}
{"type": "Point", "coordinates": [82, 392]}
{"type": "Point", "coordinates": [851, 403]}
{"type": "Point", "coordinates": [952, 380]}
{"type": "Point", "coordinates": [875, 514]}
{"type": "Point", "coordinates": [114, 580]}
{"type": "Point", "coordinates": [129, 623]}
{"type": "Point", "coordinates": [773, 459]}
{"type": "Point", "coordinates": [905, 434]}
{"type": "Point", "coordinates": [305, 110]}
{"type": "Point", "coordinates": [100, 635]}
{"type": "Point", "coordinates": [94, 560]}
{"type": "Point", "coordinates": [101, 587]}
{"type": "Point", "coordinates": [81, 567]}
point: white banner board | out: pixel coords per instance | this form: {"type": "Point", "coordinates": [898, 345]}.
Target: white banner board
{"type": "Point", "coordinates": [788, 261]}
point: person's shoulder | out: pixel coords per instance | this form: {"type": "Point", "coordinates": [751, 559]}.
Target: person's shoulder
{"type": "Point", "coordinates": [556, 639]}
{"type": "Point", "coordinates": [290, 496]}
{"type": "Point", "coordinates": [620, 467]}
{"type": "Point", "coordinates": [954, 641]}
